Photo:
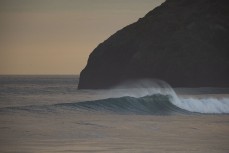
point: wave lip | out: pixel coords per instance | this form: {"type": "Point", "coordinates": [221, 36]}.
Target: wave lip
{"type": "Point", "coordinates": [144, 87]}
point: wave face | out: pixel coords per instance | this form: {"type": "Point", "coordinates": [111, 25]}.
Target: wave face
{"type": "Point", "coordinates": [155, 104]}
{"type": "Point", "coordinates": [138, 97]}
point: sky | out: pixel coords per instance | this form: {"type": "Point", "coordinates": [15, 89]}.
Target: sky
{"type": "Point", "coordinates": [56, 36]}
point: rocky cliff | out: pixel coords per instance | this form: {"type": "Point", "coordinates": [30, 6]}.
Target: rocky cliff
{"type": "Point", "coordinates": [183, 42]}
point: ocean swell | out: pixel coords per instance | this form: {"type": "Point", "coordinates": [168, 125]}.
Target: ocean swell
{"type": "Point", "coordinates": [138, 97]}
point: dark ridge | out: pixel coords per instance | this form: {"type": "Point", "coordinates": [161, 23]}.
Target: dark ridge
{"type": "Point", "coordinates": [183, 42]}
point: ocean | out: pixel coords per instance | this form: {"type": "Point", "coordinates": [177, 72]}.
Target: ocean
{"type": "Point", "coordinates": [49, 114]}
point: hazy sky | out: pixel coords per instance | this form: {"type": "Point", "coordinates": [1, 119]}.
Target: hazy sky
{"type": "Point", "coordinates": [57, 36]}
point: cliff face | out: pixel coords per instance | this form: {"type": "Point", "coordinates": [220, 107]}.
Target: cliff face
{"type": "Point", "coordinates": [183, 42]}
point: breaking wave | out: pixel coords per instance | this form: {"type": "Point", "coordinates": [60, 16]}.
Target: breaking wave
{"type": "Point", "coordinates": [204, 105]}
{"type": "Point", "coordinates": [139, 97]}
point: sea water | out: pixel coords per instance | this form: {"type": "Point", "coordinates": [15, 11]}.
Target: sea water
{"type": "Point", "coordinates": [49, 114]}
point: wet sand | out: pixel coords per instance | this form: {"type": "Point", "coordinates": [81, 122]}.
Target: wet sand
{"type": "Point", "coordinates": [88, 132]}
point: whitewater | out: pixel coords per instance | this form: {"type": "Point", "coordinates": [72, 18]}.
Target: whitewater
{"type": "Point", "coordinates": [49, 113]}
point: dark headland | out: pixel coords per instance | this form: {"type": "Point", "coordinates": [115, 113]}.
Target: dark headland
{"type": "Point", "coordinates": [183, 42]}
